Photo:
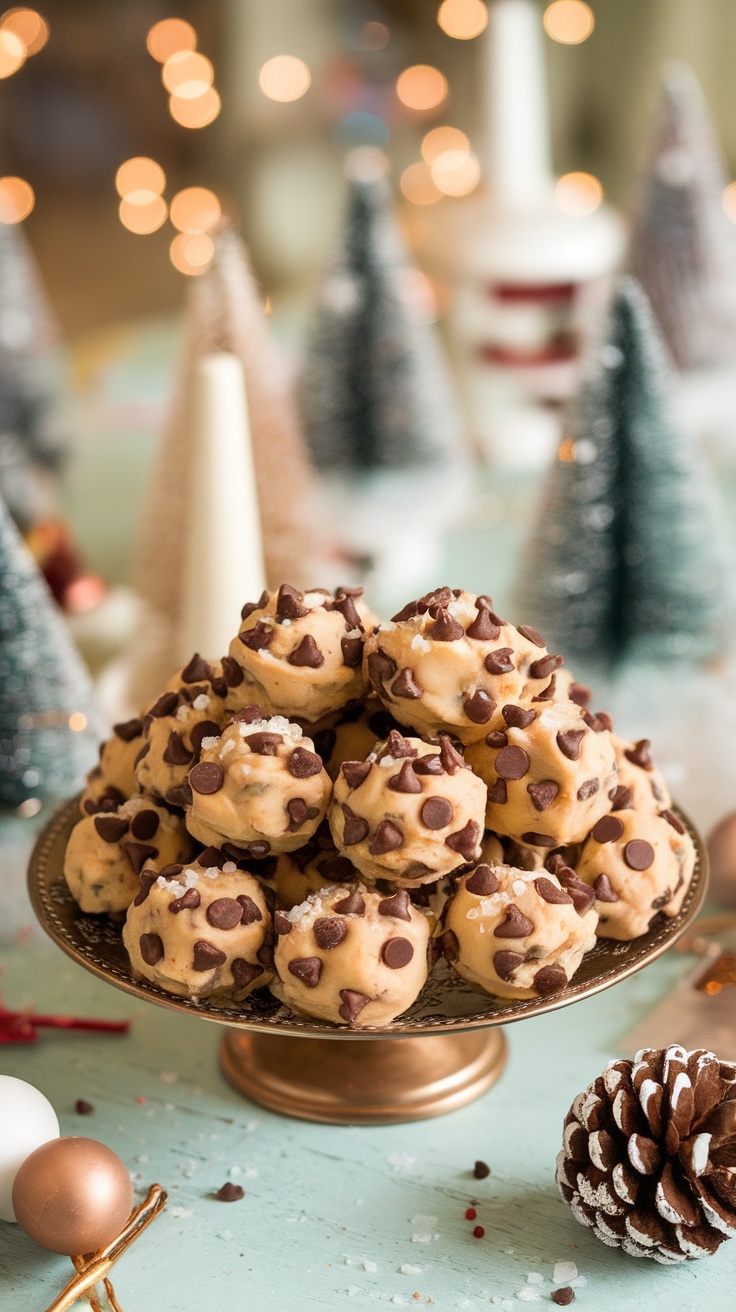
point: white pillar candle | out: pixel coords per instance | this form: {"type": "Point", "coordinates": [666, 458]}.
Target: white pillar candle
{"type": "Point", "coordinates": [516, 153]}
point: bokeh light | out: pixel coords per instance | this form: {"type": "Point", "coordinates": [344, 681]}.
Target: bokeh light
{"type": "Point", "coordinates": [456, 173]}
{"type": "Point", "coordinates": [578, 194]}
{"type": "Point", "coordinates": [16, 199]}
{"type": "Point", "coordinates": [190, 253]}
{"type": "Point", "coordinates": [77, 721]}
{"type": "Point", "coordinates": [360, 129]}
{"type": "Point", "coordinates": [188, 74]}
{"type": "Point", "coordinates": [366, 164]}
{"type": "Point", "coordinates": [140, 180]}
{"type": "Point", "coordinates": [169, 37]}
{"type": "Point", "coordinates": [436, 142]}
{"type": "Point", "coordinates": [421, 87]}
{"type": "Point", "coordinates": [142, 219]}
{"type": "Point", "coordinates": [462, 19]}
{"type": "Point", "coordinates": [12, 52]}
{"type": "Point", "coordinates": [28, 26]}
{"type": "Point", "coordinates": [284, 78]}
{"type": "Point", "coordinates": [195, 210]}
{"type": "Point", "coordinates": [195, 113]}
{"type": "Point", "coordinates": [569, 21]}
{"type": "Point", "coordinates": [728, 201]}
{"type": "Point", "coordinates": [374, 36]}
{"type": "Point", "coordinates": [418, 186]}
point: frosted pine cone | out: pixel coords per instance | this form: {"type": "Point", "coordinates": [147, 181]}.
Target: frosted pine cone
{"type": "Point", "coordinates": [649, 1155]}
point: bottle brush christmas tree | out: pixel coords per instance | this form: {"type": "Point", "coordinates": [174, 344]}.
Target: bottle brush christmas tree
{"type": "Point", "coordinates": [626, 559]}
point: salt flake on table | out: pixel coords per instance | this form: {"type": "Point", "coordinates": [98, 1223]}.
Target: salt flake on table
{"type": "Point", "coordinates": [534, 1278]}
{"type": "Point", "coordinates": [409, 1269]}
{"type": "Point", "coordinates": [368, 1265]}
{"type": "Point", "coordinates": [400, 1161]}
{"type": "Point", "coordinates": [564, 1272]}
{"type": "Point", "coordinates": [181, 1213]}
{"type": "Point", "coordinates": [529, 1294]}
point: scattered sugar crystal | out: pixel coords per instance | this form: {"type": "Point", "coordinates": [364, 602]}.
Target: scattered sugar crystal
{"type": "Point", "coordinates": [409, 1269]}
{"type": "Point", "coordinates": [313, 599]}
{"type": "Point", "coordinates": [510, 1251]}
{"type": "Point", "coordinates": [182, 712]}
{"type": "Point", "coordinates": [368, 1265]}
{"type": "Point", "coordinates": [564, 1272]}
{"type": "Point", "coordinates": [211, 741]}
{"type": "Point", "coordinates": [229, 868]}
{"type": "Point", "coordinates": [398, 1298]}
{"type": "Point", "coordinates": [234, 1170]}
{"type": "Point", "coordinates": [422, 1220]}
{"type": "Point", "coordinates": [534, 1278]}
{"type": "Point", "coordinates": [285, 624]}
{"type": "Point", "coordinates": [181, 1213]}
{"type": "Point", "coordinates": [419, 643]}
{"type": "Point", "coordinates": [519, 887]}
{"type": "Point", "coordinates": [201, 702]}
{"type": "Point", "coordinates": [387, 761]}
{"type": "Point", "coordinates": [400, 1161]}
{"type": "Point", "coordinates": [529, 1294]}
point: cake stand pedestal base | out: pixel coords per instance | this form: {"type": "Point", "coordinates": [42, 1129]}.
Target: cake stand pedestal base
{"type": "Point", "coordinates": [363, 1081]}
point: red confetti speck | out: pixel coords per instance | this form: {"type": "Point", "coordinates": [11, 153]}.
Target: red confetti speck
{"type": "Point", "coordinates": [470, 1214]}
{"type": "Point", "coordinates": [141, 1099]}
{"type": "Point", "coordinates": [478, 1231]}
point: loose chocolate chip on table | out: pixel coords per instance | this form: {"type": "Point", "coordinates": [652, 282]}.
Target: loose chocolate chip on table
{"type": "Point", "coordinates": [638, 854]}
{"type": "Point", "coordinates": [397, 905]}
{"type": "Point", "coordinates": [289, 603]}
{"type": "Point", "coordinates": [189, 901]}
{"type": "Point", "coordinates": [465, 841]}
{"type": "Point", "coordinates": [621, 798]}
{"type": "Point", "coordinates": [483, 882]}
{"type": "Point", "coordinates": [207, 777]}
{"type": "Point", "coordinates": [499, 661]}
{"type": "Point", "coordinates": [603, 890]}
{"type": "Point", "coordinates": [543, 794]}
{"type": "Point", "coordinates": [639, 754]}
{"type": "Point", "coordinates": [479, 708]}
{"type": "Point", "coordinates": [152, 948]}
{"type": "Point", "coordinates": [244, 972]}
{"type": "Point", "coordinates": [511, 763]}
{"type": "Point", "coordinates": [608, 829]}
{"type": "Point", "coordinates": [230, 1193]}
{"type": "Point", "coordinates": [505, 963]}
{"type": "Point", "coordinates": [381, 668]}
{"type": "Point", "coordinates": [483, 628]}
{"type": "Point", "coordinates": [258, 638]}
{"type": "Point", "coordinates": [206, 956]}
{"type": "Point", "coordinates": [352, 652]}
{"type": "Point", "coordinates": [352, 905]}
{"type": "Point", "coordinates": [250, 606]}
{"type": "Point", "coordinates": [329, 932]}
{"type": "Point", "coordinates": [564, 1296]}
{"type": "Point", "coordinates": [550, 892]}
{"type": "Point", "coordinates": [302, 764]}
{"type": "Point", "coordinates": [550, 979]}
{"type": "Point", "coordinates": [224, 913]}
{"type": "Point", "coordinates": [397, 952]}
{"type": "Point", "coordinates": [144, 825]}
{"type": "Point", "coordinates": [538, 840]}
{"type": "Point", "coordinates": [176, 752]}
{"type": "Point", "coordinates": [355, 828]}
{"type": "Point", "coordinates": [568, 741]}
{"type": "Point", "coordinates": [405, 781]}
{"type": "Point", "coordinates": [428, 765]}
{"type": "Point", "coordinates": [514, 925]}
{"type": "Point", "coordinates": [531, 634]}
{"type": "Point", "coordinates": [545, 666]}
{"type": "Point", "coordinates": [250, 912]}
{"type": "Point", "coordinates": [83, 1108]}
{"type": "Point", "coordinates": [516, 717]}
{"type": "Point", "coordinates": [481, 1170]}
{"type": "Point", "coordinates": [387, 838]}
{"type": "Point", "coordinates": [110, 827]}
{"type": "Point", "coordinates": [352, 1003]}
{"type": "Point", "coordinates": [673, 820]}
{"type": "Point", "coordinates": [128, 730]}
{"type": "Point", "coordinates": [588, 789]}
{"type": "Point", "coordinates": [450, 945]}
{"type": "Point", "coordinates": [436, 813]}
{"type": "Point", "coordinates": [405, 685]}
{"type": "Point", "coordinates": [138, 854]}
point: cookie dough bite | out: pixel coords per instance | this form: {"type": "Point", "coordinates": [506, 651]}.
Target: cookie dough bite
{"type": "Point", "coordinates": [113, 781]}
{"type": "Point", "coordinates": [447, 663]}
{"type": "Point", "coordinates": [221, 675]}
{"type": "Point", "coordinates": [200, 931]}
{"type": "Point", "coordinates": [351, 956]}
{"type": "Point", "coordinates": [640, 783]}
{"type": "Point", "coordinates": [106, 853]}
{"type": "Point", "coordinates": [516, 933]}
{"type": "Point", "coordinates": [259, 783]}
{"type": "Point", "coordinates": [638, 864]}
{"type": "Point", "coordinates": [174, 728]}
{"type": "Point", "coordinates": [354, 734]}
{"type": "Point", "coordinates": [567, 689]}
{"type": "Point", "coordinates": [301, 653]}
{"type": "Point", "coordinates": [411, 812]}
{"type": "Point", "coordinates": [548, 774]}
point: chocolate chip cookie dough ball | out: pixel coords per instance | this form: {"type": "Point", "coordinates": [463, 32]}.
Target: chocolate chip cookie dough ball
{"type": "Point", "coordinates": [638, 864]}
{"type": "Point", "coordinates": [259, 784]}
{"type": "Point", "coordinates": [301, 653]}
{"type": "Point", "coordinates": [113, 780]}
{"type": "Point", "coordinates": [106, 853]}
{"type": "Point", "coordinates": [222, 675]}
{"type": "Point", "coordinates": [411, 812]}
{"type": "Point", "coordinates": [200, 931]}
{"type": "Point", "coordinates": [640, 783]}
{"type": "Point", "coordinates": [174, 729]}
{"type": "Point", "coordinates": [548, 775]}
{"type": "Point", "coordinates": [351, 956]}
{"type": "Point", "coordinates": [516, 933]}
{"type": "Point", "coordinates": [447, 663]}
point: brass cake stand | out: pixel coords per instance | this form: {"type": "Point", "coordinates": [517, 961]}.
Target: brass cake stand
{"type": "Point", "coordinates": [444, 1052]}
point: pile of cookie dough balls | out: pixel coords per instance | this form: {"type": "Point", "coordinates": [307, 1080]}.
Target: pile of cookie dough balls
{"type": "Point", "coordinates": [339, 803]}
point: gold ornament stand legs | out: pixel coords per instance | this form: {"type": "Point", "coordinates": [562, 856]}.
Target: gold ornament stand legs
{"type": "Point", "coordinates": [363, 1081]}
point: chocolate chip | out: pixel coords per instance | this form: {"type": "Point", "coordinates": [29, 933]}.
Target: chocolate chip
{"type": "Point", "coordinates": [398, 905]}
{"type": "Point", "coordinates": [551, 893]}
{"type": "Point", "coordinates": [499, 661]}
{"type": "Point", "coordinates": [351, 1005]}
{"type": "Point", "coordinates": [511, 763]}
{"type": "Point", "coordinates": [138, 854]}
{"type": "Point", "coordinates": [230, 1193]}
{"type": "Point", "coordinates": [349, 611]}
{"type": "Point", "coordinates": [165, 705]}
{"type": "Point", "coordinates": [479, 708]}
{"type": "Point", "coordinates": [517, 717]}
{"type": "Point", "coordinates": [248, 715]}
{"type": "Point", "coordinates": [299, 813]}
{"type": "Point", "coordinates": [258, 638]}
{"type": "Point", "coordinates": [530, 634]}
{"type": "Point", "coordinates": [450, 758]}
{"type": "Point", "coordinates": [497, 738]}
{"type": "Point", "coordinates": [244, 972]}
{"type": "Point", "coordinates": [205, 729]}
{"type": "Point", "coordinates": [483, 882]}
{"type": "Point", "coordinates": [352, 652]}
{"type": "Point", "coordinates": [176, 753]}
{"type": "Point", "coordinates": [550, 979]}
{"type": "Point", "coordinates": [405, 781]}
{"type": "Point", "coordinates": [514, 924]}
{"type": "Point", "coordinates": [206, 956]}
{"type": "Point", "coordinates": [381, 668]}
{"type": "Point", "coordinates": [545, 666]}
{"type": "Point", "coordinates": [264, 743]}
{"type": "Point", "coordinates": [197, 670]}
{"type": "Point", "coordinates": [405, 685]}
{"type": "Point", "coordinates": [282, 924]}
{"type": "Point", "coordinates": [568, 741]}
{"type": "Point", "coordinates": [450, 945]}
{"type": "Point", "coordinates": [398, 746]}
{"type": "Point", "coordinates": [418, 870]}
{"type": "Point", "coordinates": [603, 890]}
{"type": "Point", "coordinates": [224, 913]}
{"type": "Point", "coordinates": [355, 828]}
{"type": "Point", "coordinates": [638, 854]}
{"type": "Point", "coordinates": [397, 952]}
{"type": "Point", "coordinates": [387, 838]}
{"type": "Point", "coordinates": [431, 765]}
{"type": "Point", "coordinates": [483, 628]}
{"type": "Point", "coordinates": [481, 1170]}
{"type": "Point", "coordinates": [564, 1296]}
{"type": "Point", "coordinates": [251, 606]}
{"type": "Point", "coordinates": [250, 912]}
{"type": "Point", "coordinates": [599, 722]}
{"type": "Point", "coordinates": [608, 829]}
{"type": "Point", "coordinates": [233, 674]}
{"type": "Point", "coordinates": [445, 628]}
{"type": "Point", "coordinates": [128, 730]}
{"type": "Point", "coordinates": [211, 857]}
{"type": "Point", "coordinates": [436, 813]}
{"type": "Point", "coordinates": [587, 789]}
{"type": "Point", "coordinates": [179, 795]}
{"type": "Point", "coordinates": [621, 798]}
{"type": "Point", "coordinates": [505, 963]}
{"type": "Point", "coordinates": [538, 840]}
{"type": "Point", "coordinates": [152, 948]}
{"type": "Point", "coordinates": [639, 754]}
{"type": "Point", "coordinates": [543, 794]}
{"type": "Point", "coordinates": [583, 896]}
{"type": "Point", "coordinates": [289, 603]}
{"type": "Point", "coordinates": [189, 901]}
{"type": "Point", "coordinates": [435, 601]}
{"type": "Point", "coordinates": [673, 820]}
{"type": "Point", "coordinates": [465, 841]}
{"type": "Point", "coordinates": [147, 880]}
{"type": "Point", "coordinates": [110, 827]}
{"type": "Point", "coordinates": [302, 764]}
{"type": "Point", "coordinates": [329, 932]}
{"type": "Point", "coordinates": [352, 905]}
{"type": "Point", "coordinates": [144, 825]}
{"type": "Point", "coordinates": [306, 969]}
{"type": "Point", "coordinates": [83, 1108]}
{"type": "Point", "coordinates": [579, 693]}
{"type": "Point", "coordinates": [207, 777]}
{"type": "Point", "coordinates": [547, 694]}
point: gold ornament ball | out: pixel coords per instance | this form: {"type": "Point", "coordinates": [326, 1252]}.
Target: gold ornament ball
{"type": "Point", "coordinates": [722, 858]}
{"type": "Point", "coordinates": [72, 1195]}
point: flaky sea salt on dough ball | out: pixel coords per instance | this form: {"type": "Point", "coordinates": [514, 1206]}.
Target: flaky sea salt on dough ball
{"type": "Point", "coordinates": [106, 853]}
{"type": "Point", "coordinates": [259, 785]}
{"type": "Point", "coordinates": [411, 813]}
{"type": "Point", "coordinates": [113, 780]}
{"type": "Point", "coordinates": [197, 931]}
{"type": "Point", "coordinates": [447, 663]}
{"type": "Point", "coordinates": [639, 864]}
{"type": "Point", "coordinates": [174, 728]}
{"type": "Point", "coordinates": [301, 653]}
{"type": "Point", "coordinates": [549, 775]}
{"type": "Point", "coordinates": [516, 933]}
{"type": "Point", "coordinates": [640, 784]}
{"type": "Point", "coordinates": [351, 956]}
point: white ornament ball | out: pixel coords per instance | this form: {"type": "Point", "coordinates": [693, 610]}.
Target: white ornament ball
{"type": "Point", "coordinates": [27, 1120]}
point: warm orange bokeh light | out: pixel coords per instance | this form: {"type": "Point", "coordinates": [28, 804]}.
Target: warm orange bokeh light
{"type": "Point", "coordinates": [28, 26]}
{"type": "Point", "coordinates": [12, 52]}
{"type": "Point", "coordinates": [578, 194]}
{"type": "Point", "coordinates": [195, 113]}
{"type": "Point", "coordinates": [16, 199]}
{"type": "Point", "coordinates": [77, 721]}
{"type": "Point", "coordinates": [191, 253]}
{"type": "Point", "coordinates": [142, 219]}
{"type": "Point", "coordinates": [728, 201]}
{"type": "Point", "coordinates": [169, 37]}
{"type": "Point", "coordinates": [194, 210]}
{"type": "Point", "coordinates": [187, 74]}
{"type": "Point", "coordinates": [439, 140]}
{"type": "Point", "coordinates": [456, 173]}
{"type": "Point", "coordinates": [284, 78]}
{"type": "Point", "coordinates": [140, 180]}
{"type": "Point", "coordinates": [462, 19]}
{"type": "Point", "coordinates": [421, 87]}
{"type": "Point", "coordinates": [417, 185]}
{"type": "Point", "coordinates": [569, 21]}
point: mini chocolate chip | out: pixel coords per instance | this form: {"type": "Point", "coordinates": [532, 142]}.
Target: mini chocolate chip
{"type": "Point", "coordinates": [249, 715]}
{"type": "Point", "coordinates": [144, 825]}
{"type": "Point", "coordinates": [445, 628]}
{"type": "Point", "coordinates": [397, 952]}
{"type": "Point", "coordinates": [289, 603]}
{"type": "Point", "coordinates": [479, 708]}
{"type": "Point", "coordinates": [299, 813]}
{"type": "Point", "coordinates": [483, 628]}
{"type": "Point", "coordinates": [436, 813]}
{"type": "Point", "coordinates": [176, 753]}
{"type": "Point", "coordinates": [639, 754]}
{"type": "Point", "coordinates": [603, 889]}
{"type": "Point", "coordinates": [110, 827]}
{"type": "Point", "coordinates": [530, 634]}
{"type": "Point", "coordinates": [431, 765]}
{"type": "Point", "coordinates": [349, 611]}
{"type": "Point", "coordinates": [583, 896]}
{"type": "Point", "coordinates": [128, 730]}
{"type": "Point", "coordinates": [608, 829]}
{"type": "Point", "coordinates": [189, 901]}
{"type": "Point", "coordinates": [598, 722]}
{"type": "Point", "coordinates": [588, 789]}
{"type": "Point", "coordinates": [205, 729]}
{"type": "Point", "coordinates": [621, 798]}
{"type": "Point", "coordinates": [206, 956]}
{"type": "Point", "coordinates": [550, 979]}
{"type": "Point", "coordinates": [450, 758]}
{"type": "Point", "coordinates": [511, 763]}
{"type": "Point", "coordinates": [138, 854]}
{"type": "Point", "coordinates": [264, 743]}
{"type": "Point", "coordinates": [499, 661]}
{"type": "Point", "coordinates": [514, 925]}
{"type": "Point", "coordinates": [387, 838]}
{"type": "Point", "coordinates": [579, 693]}
{"type": "Point", "coordinates": [258, 638]}
{"type": "Point", "coordinates": [517, 717]}
{"type": "Point", "coordinates": [352, 652]}
{"type": "Point", "coordinates": [564, 1296]}
{"type": "Point", "coordinates": [83, 1108]}
{"type": "Point", "coordinates": [302, 764]}
{"type": "Point", "coordinates": [352, 905]}
{"type": "Point", "coordinates": [147, 880]}
{"type": "Point", "coordinates": [230, 1193]}
{"type": "Point", "coordinates": [398, 905]}
{"type": "Point", "coordinates": [171, 871]}
{"type": "Point", "coordinates": [551, 893]}
{"type": "Point", "coordinates": [282, 924]}
{"type": "Point", "coordinates": [481, 1170]}
{"type": "Point", "coordinates": [207, 777]}
{"type": "Point", "coordinates": [505, 963]}
{"type": "Point", "coordinates": [483, 882]}
{"type": "Point", "coordinates": [547, 694]}
{"type": "Point", "coordinates": [355, 772]}
{"type": "Point", "coordinates": [251, 606]}
{"type": "Point", "coordinates": [165, 705]}
{"type": "Point", "coordinates": [381, 668]}
{"type": "Point", "coordinates": [250, 912]}
{"type": "Point", "coordinates": [450, 945]}
{"type": "Point", "coordinates": [351, 1004]}
{"type": "Point", "coordinates": [306, 969]}
{"type": "Point", "coordinates": [673, 820]}
{"type": "Point", "coordinates": [568, 741]}
{"type": "Point", "coordinates": [638, 854]}
{"type": "Point", "coordinates": [405, 685]}
{"type": "Point", "coordinates": [211, 857]}
{"type": "Point", "coordinates": [543, 794]}
{"type": "Point", "coordinates": [465, 841]}
{"type": "Point", "coordinates": [233, 674]}
{"type": "Point", "coordinates": [405, 781]}
{"type": "Point", "coordinates": [244, 972]}
{"type": "Point", "coordinates": [197, 670]}
{"type": "Point", "coordinates": [545, 666]}
{"type": "Point", "coordinates": [398, 746]}
{"type": "Point", "coordinates": [407, 612]}
{"type": "Point", "coordinates": [355, 828]}
{"type": "Point", "coordinates": [538, 840]}
{"type": "Point", "coordinates": [152, 948]}
{"type": "Point", "coordinates": [307, 654]}
{"type": "Point", "coordinates": [224, 913]}
{"type": "Point", "coordinates": [418, 870]}
{"type": "Point", "coordinates": [329, 932]}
